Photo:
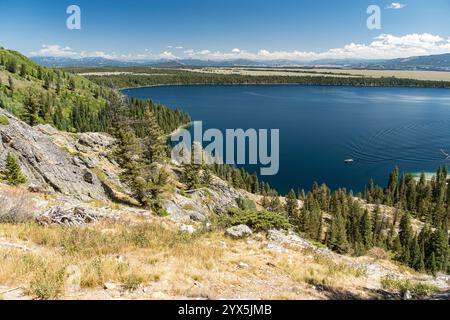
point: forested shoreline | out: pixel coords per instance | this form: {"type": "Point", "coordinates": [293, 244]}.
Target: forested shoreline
{"type": "Point", "coordinates": [135, 77]}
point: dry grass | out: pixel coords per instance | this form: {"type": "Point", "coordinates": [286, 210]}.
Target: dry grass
{"type": "Point", "coordinates": [96, 251]}
{"type": "Point", "coordinates": [321, 271]}
{"type": "Point", "coordinates": [323, 72]}
{"type": "Point", "coordinates": [165, 262]}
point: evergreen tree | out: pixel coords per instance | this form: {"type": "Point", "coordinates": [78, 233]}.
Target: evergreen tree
{"type": "Point", "coordinates": [366, 230]}
{"type": "Point", "coordinates": [12, 66]}
{"type": "Point", "coordinates": [72, 84]}
{"type": "Point", "coordinates": [405, 230]}
{"type": "Point", "coordinates": [11, 86]}
{"type": "Point", "coordinates": [291, 206]}
{"type": "Point", "coordinates": [392, 186]}
{"type": "Point", "coordinates": [13, 173]}
{"type": "Point", "coordinates": [432, 267]}
{"type": "Point", "coordinates": [338, 234]}
{"type": "Point", "coordinates": [154, 140]}
{"type": "Point", "coordinates": [191, 169]}
{"type": "Point", "coordinates": [129, 154]}
{"type": "Point", "coordinates": [23, 71]}
{"type": "Point", "coordinates": [31, 110]}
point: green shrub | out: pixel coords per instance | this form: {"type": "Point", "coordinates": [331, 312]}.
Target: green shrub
{"type": "Point", "coordinates": [246, 204]}
{"type": "Point", "coordinates": [256, 220]}
{"type": "Point", "coordinates": [401, 286]}
{"type": "Point", "coordinates": [4, 120]}
{"type": "Point", "coordinates": [132, 282]}
{"type": "Point", "coordinates": [47, 284]}
{"type": "Point", "coordinates": [189, 207]}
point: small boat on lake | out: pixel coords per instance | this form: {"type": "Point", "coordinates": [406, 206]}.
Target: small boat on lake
{"type": "Point", "coordinates": [348, 161]}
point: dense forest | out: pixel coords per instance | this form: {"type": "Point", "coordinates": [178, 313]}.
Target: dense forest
{"type": "Point", "coordinates": [139, 77]}
{"type": "Point", "coordinates": [339, 220]}
{"type": "Point", "coordinates": [69, 102]}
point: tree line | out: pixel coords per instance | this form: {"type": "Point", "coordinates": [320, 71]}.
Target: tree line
{"type": "Point", "coordinates": [183, 77]}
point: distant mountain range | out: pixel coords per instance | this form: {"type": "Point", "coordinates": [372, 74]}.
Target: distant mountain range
{"type": "Point", "coordinates": [439, 62]}
{"type": "Point", "coordinates": [434, 62]}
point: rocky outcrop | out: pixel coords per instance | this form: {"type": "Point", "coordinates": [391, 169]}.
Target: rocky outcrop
{"type": "Point", "coordinates": [48, 166]}
{"type": "Point", "coordinates": [239, 232]}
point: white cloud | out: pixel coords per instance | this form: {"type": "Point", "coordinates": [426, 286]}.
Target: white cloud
{"type": "Point", "coordinates": [167, 55]}
{"type": "Point", "coordinates": [384, 46]}
{"type": "Point", "coordinates": [175, 47]}
{"type": "Point", "coordinates": [54, 51]}
{"type": "Point", "coordinates": [396, 6]}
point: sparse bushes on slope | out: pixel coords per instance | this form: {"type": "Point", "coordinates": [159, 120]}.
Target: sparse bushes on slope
{"type": "Point", "coordinates": [256, 220]}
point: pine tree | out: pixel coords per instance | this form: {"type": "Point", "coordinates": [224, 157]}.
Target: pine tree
{"type": "Point", "coordinates": [12, 66]}
{"type": "Point", "coordinates": [23, 70]}
{"type": "Point", "coordinates": [338, 234]}
{"type": "Point", "coordinates": [366, 230]}
{"type": "Point", "coordinates": [13, 172]}
{"type": "Point", "coordinates": [417, 256]}
{"type": "Point", "coordinates": [432, 267]}
{"type": "Point", "coordinates": [392, 186]}
{"type": "Point", "coordinates": [31, 110]}
{"type": "Point", "coordinates": [72, 84]}
{"type": "Point", "coordinates": [129, 154]}
{"type": "Point", "coordinates": [154, 140]}
{"type": "Point", "coordinates": [191, 169]}
{"type": "Point", "coordinates": [405, 230]}
{"type": "Point", "coordinates": [11, 86]}
{"type": "Point", "coordinates": [439, 243]}
{"type": "Point", "coordinates": [291, 206]}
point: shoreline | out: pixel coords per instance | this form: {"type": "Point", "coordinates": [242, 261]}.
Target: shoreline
{"type": "Point", "coordinates": [278, 84]}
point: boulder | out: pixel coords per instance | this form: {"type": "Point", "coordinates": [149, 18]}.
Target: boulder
{"type": "Point", "coordinates": [239, 232]}
{"type": "Point", "coordinates": [282, 237]}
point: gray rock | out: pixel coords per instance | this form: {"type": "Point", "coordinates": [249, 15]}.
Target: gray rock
{"type": "Point", "coordinates": [197, 216]}
{"type": "Point", "coordinates": [109, 286]}
{"type": "Point", "coordinates": [187, 228]}
{"type": "Point", "coordinates": [46, 165]}
{"type": "Point", "coordinates": [276, 247]}
{"type": "Point", "coordinates": [239, 232]}
{"type": "Point", "coordinates": [407, 295]}
{"type": "Point", "coordinates": [289, 238]}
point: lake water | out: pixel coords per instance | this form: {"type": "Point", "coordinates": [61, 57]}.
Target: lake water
{"type": "Point", "coordinates": [320, 127]}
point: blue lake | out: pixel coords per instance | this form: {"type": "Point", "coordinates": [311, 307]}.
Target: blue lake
{"type": "Point", "coordinates": [320, 127]}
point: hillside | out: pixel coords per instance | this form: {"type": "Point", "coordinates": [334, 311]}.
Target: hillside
{"type": "Point", "coordinates": [432, 62]}
{"type": "Point", "coordinates": [107, 214]}
{"type": "Point", "coordinates": [69, 102]}
{"type": "Point", "coordinates": [435, 62]}
{"type": "Point", "coordinates": [67, 236]}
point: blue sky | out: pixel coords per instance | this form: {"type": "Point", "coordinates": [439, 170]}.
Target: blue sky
{"type": "Point", "coordinates": [222, 29]}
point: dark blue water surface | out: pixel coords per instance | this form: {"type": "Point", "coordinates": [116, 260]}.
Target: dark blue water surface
{"type": "Point", "coordinates": [320, 127]}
